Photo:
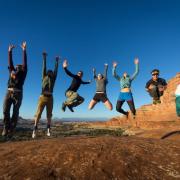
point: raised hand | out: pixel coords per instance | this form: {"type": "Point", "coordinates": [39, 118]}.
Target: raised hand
{"type": "Point", "coordinates": [65, 63]}
{"type": "Point", "coordinates": [136, 61]}
{"type": "Point", "coordinates": [94, 69]}
{"type": "Point", "coordinates": [57, 58]}
{"type": "Point", "coordinates": [23, 46]}
{"type": "Point", "coordinates": [11, 47]}
{"type": "Point", "coordinates": [106, 64]}
{"type": "Point", "coordinates": [115, 64]}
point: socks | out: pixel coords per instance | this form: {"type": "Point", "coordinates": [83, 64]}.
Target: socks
{"type": "Point", "coordinates": [48, 126]}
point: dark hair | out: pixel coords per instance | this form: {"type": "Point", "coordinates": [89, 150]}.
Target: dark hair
{"type": "Point", "coordinates": [80, 72]}
{"type": "Point", "coordinates": [155, 70]}
{"type": "Point", "coordinates": [19, 67]}
{"type": "Point", "coordinates": [50, 72]}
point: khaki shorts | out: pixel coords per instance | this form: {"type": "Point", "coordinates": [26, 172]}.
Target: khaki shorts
{"type": "Point", "coordinates": [42, 102]}
{"type": "Point", "coordinates": [71, 97]}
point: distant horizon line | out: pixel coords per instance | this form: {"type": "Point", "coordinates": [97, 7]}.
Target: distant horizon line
{"type": "Point", "coordinates": [68, 118]}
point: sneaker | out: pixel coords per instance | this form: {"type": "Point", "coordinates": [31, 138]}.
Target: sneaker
{"type": "Point", "coordinates": [34, 134]}
{"type": "Point", "coordinates": [154, 102]}
{"type": "Point", "coordinates": [63, 107]}
{"type": "Point", "coordinates": [48, 132]}
{"type": "Point", "coordinates": [4, 132]}
{"type": "Point", "coordinates": [71, 108]}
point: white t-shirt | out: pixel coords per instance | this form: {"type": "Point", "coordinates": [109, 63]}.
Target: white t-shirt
{"type": "Point", "coordinates": [177, 92]}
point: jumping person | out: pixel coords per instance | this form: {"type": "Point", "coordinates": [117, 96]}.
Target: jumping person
{"type": "Point", "coordinates": [177, 93]}
{"type": "Point", "coordinates": [101, 82]}
{"type": "Point", "coordinates": [73, 98]}
{"type": "Point", "coordinates": [46, 97]}
{"type": "Point", "coordinates": [125, 91]}
{"type": "Point", "coordinates": [14, 95]}
{"type": "Point", "coordinates": [156, 86]}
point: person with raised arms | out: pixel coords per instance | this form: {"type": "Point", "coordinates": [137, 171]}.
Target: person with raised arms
{"type": "Point", "coordinates": [125, 89]}
{"type": "Point", "coordinates": [14, 95]}
{"type": "Point", "coordinates": [100, 95]}
{"type": "Point", "coordinates": [73, 98]}
{"type": "Point", "coordinates": [46, 97]}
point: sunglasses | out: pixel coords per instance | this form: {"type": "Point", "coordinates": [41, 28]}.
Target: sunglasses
{"type": "Point", "coordinates": [155, 74]}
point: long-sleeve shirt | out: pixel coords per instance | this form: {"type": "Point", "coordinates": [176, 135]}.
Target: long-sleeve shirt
{"type": "Point", "coordinates": [126, 82]}
{"type": "Point", "coordinates": [76, 82]}
{"type": "Point", "coordinates": [48, 82]}
{"type": "Point", "coordinates": [20, 75]}
{"type": "Point", "coordinates": [101, 83]}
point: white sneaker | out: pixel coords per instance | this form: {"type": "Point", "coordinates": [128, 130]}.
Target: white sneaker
{"type": "Point", "coordinates": [48, 132]}
{"type": "Point", "coordinates": [34, 134]}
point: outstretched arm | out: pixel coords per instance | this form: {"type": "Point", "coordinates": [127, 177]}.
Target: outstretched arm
{"type": "Point", "coordinates": [10, 61]}
{"type": "Point", "coordinates": [94, 73]}
{"type": "Point", "coordinates": [23, 46]}
{"type": "Point", "coordinates": [56, 67]}
{"type": "Point", "coordinates": [44, 65]}
{"type": "Point", "coordinates": [136, 62]}
{"type": "Point", "coordinates": [65, 65]}
{"type": "Point", "coordinates": [114, 71]}
{"type": "Point", "coordinates": [105, 70]}
{"type": "Point", "coordinates": [86, 82]}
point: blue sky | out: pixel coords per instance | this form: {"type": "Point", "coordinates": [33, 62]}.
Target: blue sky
{"type": "Point", "coordinates": [90, 33]}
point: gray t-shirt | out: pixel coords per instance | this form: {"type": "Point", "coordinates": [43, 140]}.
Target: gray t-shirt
{"type": "Point", "coordinates": [101, 84]}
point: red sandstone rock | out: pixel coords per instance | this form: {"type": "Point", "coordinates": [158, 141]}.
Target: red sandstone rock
{"type": "Point", "coordinates": [154, 116]}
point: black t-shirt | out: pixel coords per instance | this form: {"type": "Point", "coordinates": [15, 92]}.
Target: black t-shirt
{"type": "Point", "coordinates": [18, 82]}
{"type": "Point", "coordinates": [76, 82]}
{"type": "Point", "coordinates": [159, 81]}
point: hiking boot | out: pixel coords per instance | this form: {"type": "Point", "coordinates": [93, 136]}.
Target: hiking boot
{"type": "Point", "coordinates": [154, 102]}
{"type": "Point", "coordinates": [4, 132]}
{"type": "Point", "coordinates": [70, 108]}
{"type": "Point", "coordinates": [63, 107]}
{"type": "Point", "coordinates": [158, 101]}
{"type": "Point", "coordinates": [48, 132]}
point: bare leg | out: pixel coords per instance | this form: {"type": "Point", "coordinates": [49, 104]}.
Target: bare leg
{"type": "Point", "coordinates": [108, 105]}
{"type": "Point", "coordinates": [92, 104]}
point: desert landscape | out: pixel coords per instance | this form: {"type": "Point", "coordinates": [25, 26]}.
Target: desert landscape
{"type": "Point", "coordinates": [145, 148]}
